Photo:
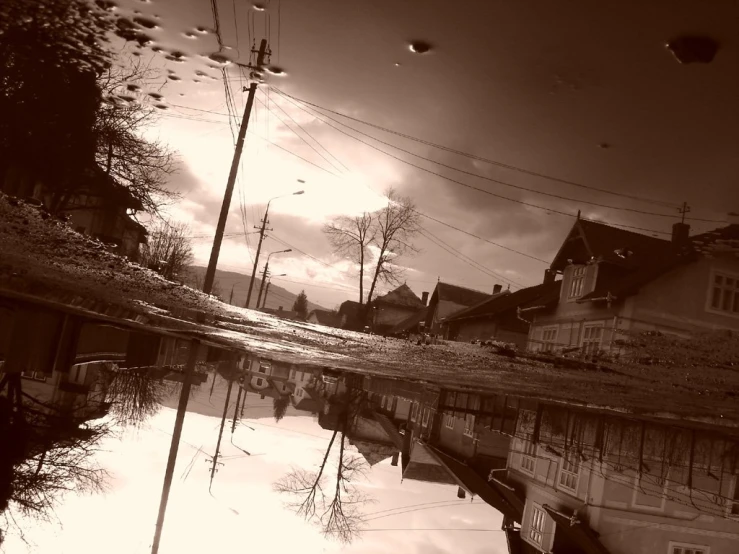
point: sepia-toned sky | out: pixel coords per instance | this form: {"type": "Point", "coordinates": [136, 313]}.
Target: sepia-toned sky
{"type": "Point", "coordinates": [583, 92]}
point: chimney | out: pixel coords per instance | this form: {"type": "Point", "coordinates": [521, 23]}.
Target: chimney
{"type": "Point", "coordinates": [394, 461]}
{"type": "Point", "coordinates": [680, 234]}
{"type": "Point", "coordinates": [425, 298]}
{"type": "Point", "coordinates": [549, 276]}
{"type": "Point", "coordinates": [497, 289]}
{"type": "Point", "coordinates": [461, 493]}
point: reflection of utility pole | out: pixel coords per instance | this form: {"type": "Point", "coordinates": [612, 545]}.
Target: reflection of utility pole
{"type": "Point", "coordinates": [223, 419]}
{"type": "Point", "coordinates": [215, 251]}
{"type": "Point", "coordinates": [174, 445]}
{"type": "Point", "coordinates": [236, 409]}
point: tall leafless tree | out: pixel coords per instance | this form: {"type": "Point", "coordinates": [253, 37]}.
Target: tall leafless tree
{"type": "Point", "coordinates": [350, 238]}
{"type": "Point", "coordinates": [134, 394]}
{"type": "Point", "coordinates": [396, 225]}
{"type": "Point", "coordinates": [141, 165]}
{"type": "Point", "coordinates": [168, 250]}
{"type": "Point", "coordinates": [336, 509]}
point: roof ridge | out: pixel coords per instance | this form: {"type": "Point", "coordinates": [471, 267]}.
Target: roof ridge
{"type": "Point", "coordinates": [463, 287]}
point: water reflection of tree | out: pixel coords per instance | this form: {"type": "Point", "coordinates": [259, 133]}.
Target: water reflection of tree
{"type": "Point", "coordinates": [280, 405]}
{"type": "Point", "coordinates": [47, 451]}
{"type": "Point", "coordinates": [334, 507]}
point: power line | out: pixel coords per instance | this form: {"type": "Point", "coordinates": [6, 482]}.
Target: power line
{"type": "Point", "coordinates": [463, 257]}
{"type": "Point", "coordinates": [450, 179]}
{"type": "Point", "coordinates": [482, 159]}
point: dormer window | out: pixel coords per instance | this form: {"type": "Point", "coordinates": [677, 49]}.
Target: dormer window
{"type": "Point", "coordinates": [577, 282]}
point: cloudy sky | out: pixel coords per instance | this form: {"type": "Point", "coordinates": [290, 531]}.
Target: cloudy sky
{"type": "Point", "coordinates": [579, 105]}
{"type": "Point", "coordinates": [243, 513]}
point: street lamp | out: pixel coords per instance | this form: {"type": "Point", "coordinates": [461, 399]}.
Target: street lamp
{"type": "Point", "coordinates": [266, 290]}
{"type": "Point", "coordinates": [261, 238]}
{"type": "Point", "coordinates": [266, 269]}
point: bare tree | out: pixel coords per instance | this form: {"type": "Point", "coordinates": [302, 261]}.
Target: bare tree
{"type": "Point", "coordinates": [280, 405]}
{"type": "Point", "coordinates": [396, 225]}
{"type": "Point", "coordinates": [337, 510]}
{"type": "Point", "coordinates": [168, 250]}
{"type": "Point", "coordinates": [142, 166]}
{"type": "Point", "coordinates": [350, 238]}
{"type": "Point", "coordinates": [135, 394]}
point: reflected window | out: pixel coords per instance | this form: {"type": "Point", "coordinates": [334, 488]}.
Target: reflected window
{"type": "Point", "coordinates": [469, 425]}
{"type": "Point", "coordinates": [449, 421]}
{"type": "Point", "coordinates": [569, 473]}
{"type": "Point", "coordinates": [734, 501]}
{"type": "Point", "coordinates": [426, 417]}
{"type": "Point", "coordinates": [260, 382]}
{"type": "Point", "coordinates": [685, 548]}
{"type": "Point", "coordinates": [536, 531]}
{"type": "Point", "coordinates": [528, 457]}
{"type": "Point", "coordinates": [725, 293]}
{"type": "Point", "coordinates": [414, 411]}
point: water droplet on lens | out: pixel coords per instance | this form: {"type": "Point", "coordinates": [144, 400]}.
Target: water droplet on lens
{"type": "Point", "coordinates": [202, 30]}
{"type": "Point", "coordinates": [419, 47]}
{"type": "Point", "coordinates": [126, 98]}
{"type": "Point", "coordinates": [161, 106]}
{"type": "Point", "coordinates": [276, 70]}
{"type": "Point", "coordinates": [190, 35]}
{"type": "Point", "coordinates": [133, 88]}
{"type": "Point", "coordinates": [145, 22]}
{"type": "Point", "coordinates": [174, 78]}
{"type": "Point", "coordinates": [219, 58]}
{"type": "Point", "coordinates": [258, 6]}
{"type": "Point", "coordinates": [156, 95]}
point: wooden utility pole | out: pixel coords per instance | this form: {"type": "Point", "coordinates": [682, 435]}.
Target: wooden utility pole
{"type": "Point", "coordinates": [215, 251]}
{"type": "Point", "coordinates": [256, 257]}
{"type": "Point", "coordinates": [261, 285]}
{"type": "Point", "coordinates": [266, 292]}
{"type": "Point", "coordinates": [174, 445]}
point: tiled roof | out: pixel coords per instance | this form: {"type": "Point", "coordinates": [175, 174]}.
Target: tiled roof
{"type": "Point", "coordinates": [505, 301]}
{"type": "Point", "coordinates": [325, 317]}
{"type": "Point", "coordinates": [409, 322]}
{"type": "Point", "coordinates": [402, 296]}
{"type": "Point", "coordinates": [459, 295]}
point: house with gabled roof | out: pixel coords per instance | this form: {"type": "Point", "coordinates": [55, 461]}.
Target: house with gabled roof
{"type": "Point", "coordinates": [392, 308]}
{"type": "Point", "coordinates": [615, 282]}
{"type": "Point", "coordinates": [448, 299]}
{"type": "Point", "coordinates": [324, 317]}
{"type": "Point", "coordinates": [496, 317]}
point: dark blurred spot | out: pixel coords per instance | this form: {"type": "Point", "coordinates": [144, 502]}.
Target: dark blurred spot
{"type": "Point", "coordinates": [190, 34]}
{"type": "Point", "coordinates": [126, 98]}
{"type": "Point", "coordinates": [107, 5]}
{"type": "Point", "coordinates": [156, 95]}
{"type": "Point", "coordinates": [145, 22]}
{"type": "Point", "coordinates": [693, 49]}
{"type": "Point", "coordinates": [201, 73]}
{"type": "Point", "coordinates": [275, 70]}
{"type": "Point", "coordinates": [161, 106]}
{"type": "Point", "coordinates": [133, 88]}
{"type": "Point", "coordinates": [202, 30]}
{"type": "Point", "coordinates": [219, 58]}
{"type": "Point", "coordinates": [174, 78]}
{"type": "Point", "coordinates": [419, 46]}
{"type": "Point", "coordinates": [196, 80]}
{"type": "Point", "coordinates": [604, 145]}
{"type": "Point", "coordinates": [258, 6]}
{"type": "Point", "coordinates": [156, 48]}
{"type": "Point", "coordinates": [176, 57]}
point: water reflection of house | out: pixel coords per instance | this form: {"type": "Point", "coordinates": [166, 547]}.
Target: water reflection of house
{"type": "Point", "coordinates": [615, 281]}
{"type": "Point", "coordinates": [591, 483]}
{"type": "Point", "coordinates": [270, 378]}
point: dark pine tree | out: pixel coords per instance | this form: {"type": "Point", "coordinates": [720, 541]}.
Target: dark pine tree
{"type": "Point", "coordinates": [301, 305]}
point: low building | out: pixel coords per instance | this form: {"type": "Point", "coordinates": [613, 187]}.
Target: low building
{"type": "Point", "coordinates": [496, 318]}
{"type": "Point", "coordinates": [352, 315]}
{"type": "Point", "coordinates": [324, 317]}
{"type": "Point", "coordinates": [448, 299]}
{"type": "Point", "coordinates": [392, 308]}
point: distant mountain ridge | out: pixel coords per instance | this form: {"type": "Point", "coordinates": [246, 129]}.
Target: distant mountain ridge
{"type": "Point", "coordinates": [276, 297]}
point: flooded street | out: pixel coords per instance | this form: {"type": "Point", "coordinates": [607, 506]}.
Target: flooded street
{"type": "Point", "coordinates": [369, 276]}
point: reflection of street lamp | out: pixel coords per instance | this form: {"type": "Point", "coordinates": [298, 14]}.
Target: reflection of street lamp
{"type": "Point", "coordinates": [261, 238]}
{"type": "Point", "coordinates": [266, 269]}
{"type": "Point", "coordinates": [266, 290]}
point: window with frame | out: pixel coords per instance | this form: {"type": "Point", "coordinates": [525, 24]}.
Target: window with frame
{"type": "Point", "coordinates": [528, 457]}
{"type": "Point", "coordinates": [685, 548]}
{"type": "Point", "coordinates": [292, 374]}
{"type": "Point", "coordinates": [536, 529]}
{"type": "Point", "coordinates": [548, 338]}
{"type": "Point", "coordinates": [414, 411]}
{"type": "Point", "coordinates": [591, 338]}
{"type": "Point", "coordinates": [577, 281]}
{"type": "Point", "coordinates": [260, 382]}
{"type": "Point", "coordinates": [469, 425]}
{"type": "Point", "coordinates": [569, 473]}
{"type": "Point", "coordinates": [426, 414]}
{"type": "Point", "coordinates": [299, 393]}
{"type": "Point", "coordinates": [449, 421]}
{"type": "Point", "coordinates": [725, 293]}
